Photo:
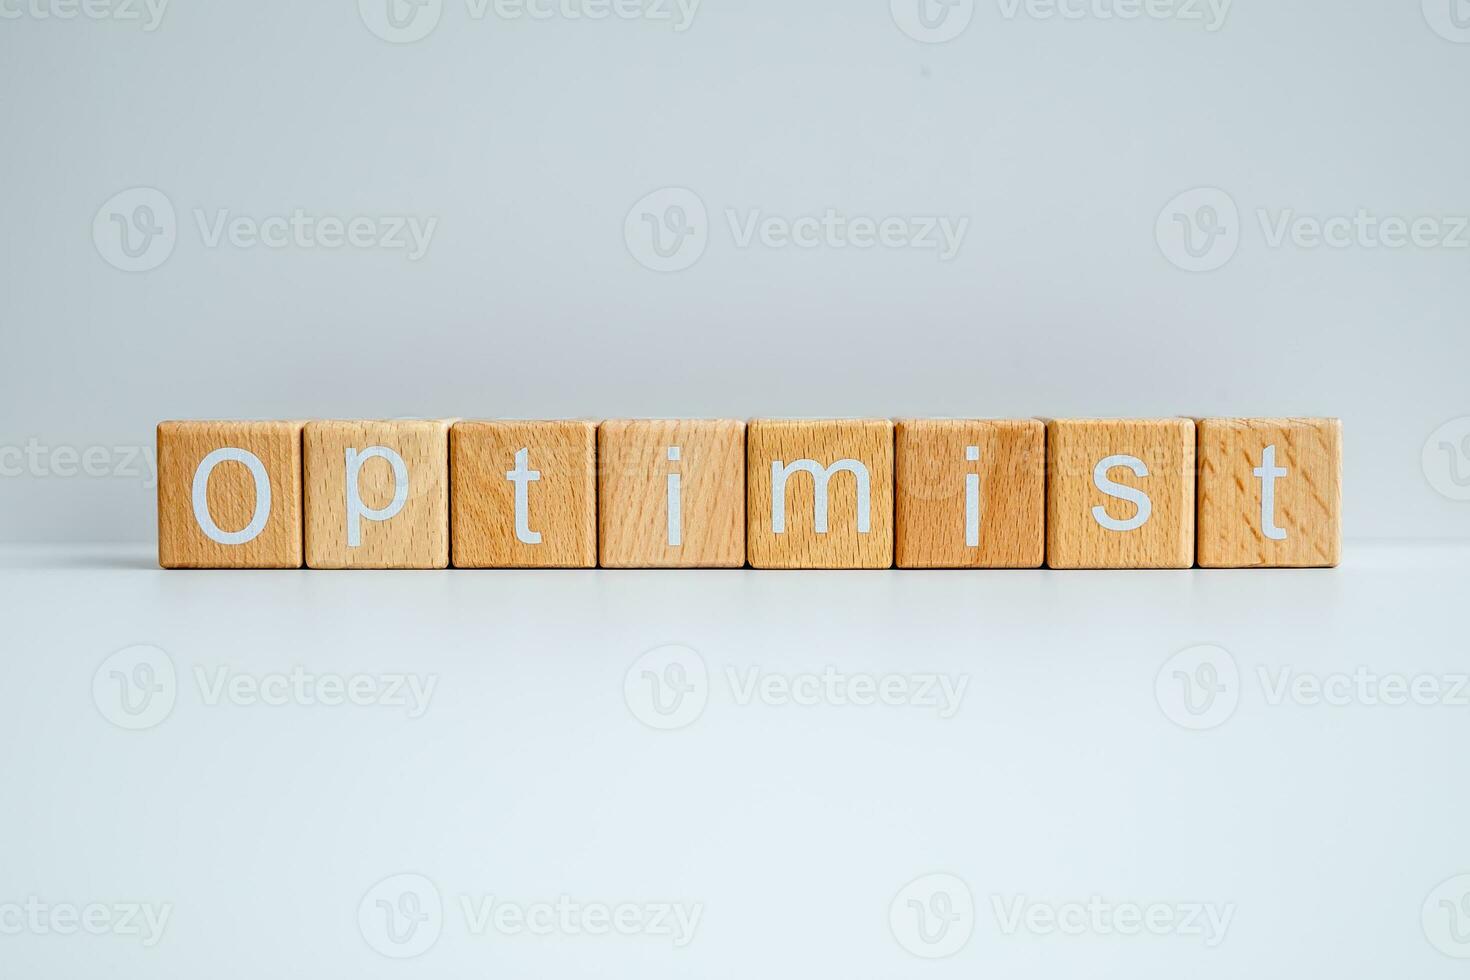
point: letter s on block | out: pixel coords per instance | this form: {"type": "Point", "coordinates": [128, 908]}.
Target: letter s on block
{"type": "Point", "coordinates": [1107, 486]}
{"type": "Point", "coordinates": [356, 509]}
{"type": "Point", "coordinates": [200, 496]}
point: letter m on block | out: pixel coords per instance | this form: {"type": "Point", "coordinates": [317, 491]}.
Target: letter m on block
{"type": "Point", "coordinates": [780, 472]}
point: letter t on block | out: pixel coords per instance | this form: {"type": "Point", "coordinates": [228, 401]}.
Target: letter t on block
{"type": "Point", "coordinates": [819, 494]}
{"type": "Point", "coordinates": [229, 494]}
{"type": "Point", "coordinates": [1270, 492]}
{"type": "Point", "coordinates": [524, 494]}
{"type": "Point", "coordinates": [1120, 493]}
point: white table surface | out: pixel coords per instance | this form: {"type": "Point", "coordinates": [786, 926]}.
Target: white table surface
{"type": "Point", "coordinates": [1066, 772]}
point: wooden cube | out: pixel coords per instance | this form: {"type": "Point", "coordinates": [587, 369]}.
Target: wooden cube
{"type": "Point", "coordinates": [229, 494]}
{"type": "Point", "coordinates": [1270, 493]}
{"type": "Point", "coordinates": [819, 494]}
{"type": "Point", "coordinates": [671, 493]}
{"type": "Point", "coordinates": [524, 494]}
{"type": "Point", "coordinates": [1120, 493]}
{"type": "Point", "coordinates": [377, 494]}
{"type": "Point", "coordinates": [970, 493]}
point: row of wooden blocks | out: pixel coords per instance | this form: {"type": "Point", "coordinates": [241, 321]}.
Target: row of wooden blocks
{"type": "Point", "coordinates": [862, 493]}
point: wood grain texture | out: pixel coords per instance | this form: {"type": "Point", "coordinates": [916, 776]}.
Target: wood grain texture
{"type": "Point", "coordinates": [231, 494]}
{"type": "Point", "coordinates": [930, 504]}
{"type": "Point", "coordinates": [1075, 538]}
{"type": "Point", "coordinates": [633, 466]}
{"type": "Point", "coordinates": [561, 505]}
{"type": "Point", "coordinates": [1307, 502]}
{"type": "Point", "coordinates": [824, 442]}
{"type": "Point", "coordinates": [418, 535]}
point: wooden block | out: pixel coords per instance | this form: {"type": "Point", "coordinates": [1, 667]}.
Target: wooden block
{"type": "Point", "coordinates": [524, 494]}
{"type": "Point", "coordinates": [1270, 493]}
{"type": "Point", "coordinates": [1120, 493]}
{"type": "Point", "coordinates": [377, 494]}
{"type": "Point", "coordinates": [819, 494]}
{"type": "Point", "coordinates": [970, 493]}
{"type": "Point", "coordinates": [671, 493]}
{"type": "Point", "coordinates": [229, 494]}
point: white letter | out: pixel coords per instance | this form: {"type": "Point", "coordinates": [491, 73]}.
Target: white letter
{"type": "Point", "coordinates": [1138, 497]}
{"type": "Point", "coordinates": [675, 515]}
{"type": "Point", "coordinates": [356, 509]}
{"type": "Point", "coordinates": [262, 496]}
{"type": "Point", "coordinates": [523, 477]}
{"type": "Point", "coordinates": [1268, 473]}
{"type": "Point", "coordinates": [779, 473]}
{"type": "Point", "coordinates": [972, 500]}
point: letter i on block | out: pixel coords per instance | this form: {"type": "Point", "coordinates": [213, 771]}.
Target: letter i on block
{"type": "Point", "coordinates": [819, 494]}
{"type": "Point", "coordinates": [671, 493]}
{"type": "Point", "coordinates": [229, 494]}
{"type": "Point", "coordinates": [1120, 493]}
{"type": "Point", "coordinates": [970, 493]}
{"type": "Point", "coordinates": [377, 494]}
{"type": "Point", "coordinates": [524, 494]}
{"type": "Point", "coordinates": [1270, 493]}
